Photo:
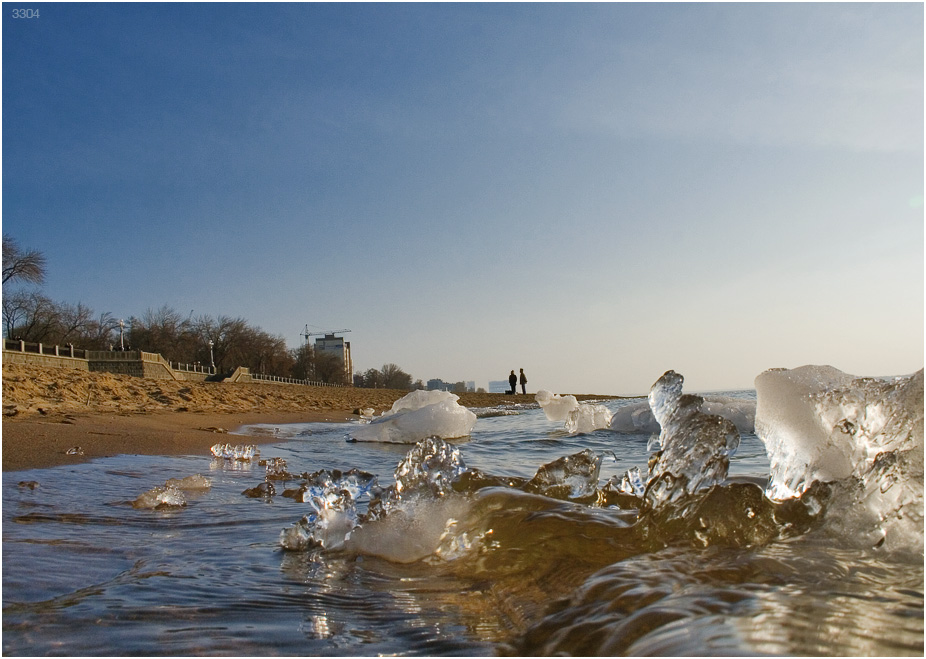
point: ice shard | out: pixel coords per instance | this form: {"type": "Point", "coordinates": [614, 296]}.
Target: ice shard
{"type": "Point", "coordinates": [695, 447]}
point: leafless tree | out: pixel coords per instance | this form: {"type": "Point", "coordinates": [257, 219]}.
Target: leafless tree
{"type": "Point", "coordinates": [303, 362]}
{"type": "Point", "coordinates": [29, 316]}
{"type": "Point", "coordinates": [19, 265]}
{"type": "Point", "coordinates": [395, 378]}
{"type": "Point", "coordinates": [373, 379]}
{"type": "Point", "coordinates": [329, 368]}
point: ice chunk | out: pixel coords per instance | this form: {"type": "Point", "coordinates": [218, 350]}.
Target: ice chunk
{"type": "Point", "coordinates": [416, 529]}
{"type": "Point", "coordinates": [417, 416]}
{"type": "Point", "coordinates": [632, 482]}
{"type": "Point", "coordinates": [298, 536]}
{"type": "Point", "coordinates": [579, 417]}
{"type": "Point", "coordinates": [333, 497]}
{"type": "Point", "coordinates": [588, 417]}
{"type": "Point", "coordinates": [695, 447]}
{"type": "Point", "coordinates": [170, 495]}
{"type": "Point", "coordinates": [430, 467]}
{"type": "Point", "coordinates": [801, 449]}
{"type": "Point", "coordinates": [417, 517]}
{"type": "Point", "coordinates": [556, 407]}
{"type": "Point", "coordinates": [425, 475]}
{"type": "Point", "coordinates": [740, 411]}
{"type": "Point", "coordinates": [239, 452]}
{"type": "Point", "coordinates": [162, 496]}
{"type": "Point", "coordinates": [637, 417]}
{"type": "Point", "coordinates": [864, 435]}
{"type": "Point", "coordinates": [634, 418]}
{"type": "Point", "coordinates": [573, 477]}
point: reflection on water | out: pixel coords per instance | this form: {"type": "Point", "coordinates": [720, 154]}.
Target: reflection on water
{"type": "Point", "coordinates": [86, 573]}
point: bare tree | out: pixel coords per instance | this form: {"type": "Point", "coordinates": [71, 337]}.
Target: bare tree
{"type": "Point", "coordinates": [373, 379]}
{"type": "Point", "coordinates": [395, 378]}
{"type": "Point", "coordinates": [101, 333]}
{"type": "Point", "coordinates": [29, 316]}
{"type": "Point", "coordinates": [329, 368]}
{"type": "Point", "coordinates": [73, 323]}
{"type": "Point", "coordinates": [303, 362]}
{"type": "Point", "coordinates": [15, 310]}
{"type": "Point", "coordinates": [20, 265]}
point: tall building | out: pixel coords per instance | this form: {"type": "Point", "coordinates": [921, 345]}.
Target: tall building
{"type": "Point", "coordinates": [341, 348]}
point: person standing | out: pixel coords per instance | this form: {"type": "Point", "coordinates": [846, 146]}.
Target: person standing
{"type": "Point", "coordinates": [513, 382]}
{"type": "Point", "coordinates": [523, 382]}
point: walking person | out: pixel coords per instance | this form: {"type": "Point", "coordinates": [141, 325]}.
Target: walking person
{"type": "Point", "coordinates": [523, 382]}
{"type": "Point", "coordinates": [513, 383]}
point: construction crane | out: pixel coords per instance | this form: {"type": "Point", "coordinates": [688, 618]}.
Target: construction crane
{"type": "Point", "coordinates": [307, 333]}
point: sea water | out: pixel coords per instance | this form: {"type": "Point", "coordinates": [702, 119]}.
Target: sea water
{"type": "Point", "coordinates": [506, 563]}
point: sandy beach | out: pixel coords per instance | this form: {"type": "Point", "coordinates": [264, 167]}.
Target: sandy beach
{"type": "Point", "coordinates": [54, 416]}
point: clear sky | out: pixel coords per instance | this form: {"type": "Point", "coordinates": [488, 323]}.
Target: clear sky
{"type": "Point", "coordinates": [595, 193]}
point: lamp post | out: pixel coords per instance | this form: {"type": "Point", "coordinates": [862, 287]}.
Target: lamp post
{"type": "Point", "coordinates": [211, 358]}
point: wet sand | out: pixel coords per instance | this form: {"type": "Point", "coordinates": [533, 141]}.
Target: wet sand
{"type": "Point", "coordinates": [45, 441]}
{"type": "Point", "coordinates": [49, 411]}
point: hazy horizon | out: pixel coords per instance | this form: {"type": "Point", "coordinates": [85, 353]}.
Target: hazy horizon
{"type": "Point", "coordinates": [595, 193]}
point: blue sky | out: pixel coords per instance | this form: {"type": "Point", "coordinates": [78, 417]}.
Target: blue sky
{"type": "Point", "coordinates": [595, 193]}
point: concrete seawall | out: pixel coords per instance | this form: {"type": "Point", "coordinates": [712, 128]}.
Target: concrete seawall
{"type": "Point", "coordinates": [130, 362]}
{"type": "Point", "coordinates": [137, 363]}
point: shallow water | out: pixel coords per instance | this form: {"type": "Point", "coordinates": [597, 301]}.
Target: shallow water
{"type": "Point", "coordinates": [85, 573]}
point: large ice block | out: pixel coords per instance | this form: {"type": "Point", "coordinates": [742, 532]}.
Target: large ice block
{"type": "Point", "coordinates": [417, 416]}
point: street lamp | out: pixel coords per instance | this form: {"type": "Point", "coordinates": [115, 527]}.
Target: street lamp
{"type": "Point", "coordinates": [211, 358]}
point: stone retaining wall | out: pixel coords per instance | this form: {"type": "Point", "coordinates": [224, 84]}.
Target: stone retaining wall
{"type": "Point", "coordinates": [15, 357]}
{"type": "Point", "coordinates": [130, 362]}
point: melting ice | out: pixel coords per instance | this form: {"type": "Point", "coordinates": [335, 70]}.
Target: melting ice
{"type": "Point", "coordinates": [638, 417]}
{"type": "Point", "coordinates": [238, 452]}
{"type": "Point", "coordinates": [695, 446]}
{"type": "Point", "coordinates": [417, 416]}
{"type": "Point", "coordinates": [170, 495]}
{"type": "Point", "coordinates": [863, 435]}
{"type": "Point", "coordinates": [578, 417]}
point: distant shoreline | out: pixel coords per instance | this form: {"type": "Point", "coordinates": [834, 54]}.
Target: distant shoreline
{"type": "Point", "coordinates": [49, 411]}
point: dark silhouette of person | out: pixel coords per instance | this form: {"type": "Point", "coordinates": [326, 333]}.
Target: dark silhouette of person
{"type": "Point", "coordinates": [523, 382]}
{"type": "Point", "coordinates": [513, 382]}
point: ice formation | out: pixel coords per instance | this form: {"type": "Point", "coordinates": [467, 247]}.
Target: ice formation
{"type": "Point", "coordinates": [333, 497]}
{"type": "Point", "coordinates": [170, 495]}
{"type": "Point", "coordinates": [417, 416]}
{"type": "Point", "coordinates": [430, 467]}
{"type": "Point", "coordinates": [634, 418]}
{"type": "Point", "coordinates": [556, 407]}
{"type": "Point", "coordinates": [573, 477]}
{"type": "Point", "coordinates": [578, 417]}
{"type": "Point", "coordinates": [588, 417]}
{"type": "Point", "coordinates": [403, 523]}
{"type": "Point", "coordinates": [695, 447]}
{"type": "Point", "coordinates": [160, 496]}
{"type": "Point", "coordinates": [863, 435]}
{"type": "Point", "coordinates": [638, 417]}
{"type": "Point", "coordinates": [238, 452]}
